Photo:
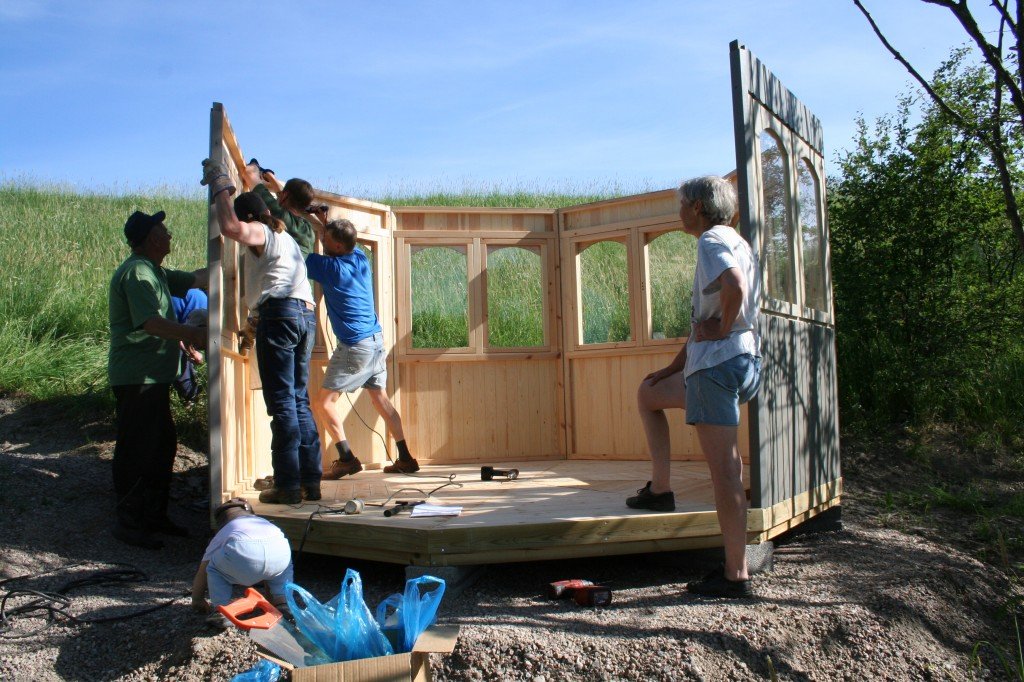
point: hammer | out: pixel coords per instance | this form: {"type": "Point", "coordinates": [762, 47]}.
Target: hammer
{"type": "Point", "coordinates": [488, 473]}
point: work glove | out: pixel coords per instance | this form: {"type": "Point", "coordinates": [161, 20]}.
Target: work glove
{"type": "Point", "coordinates": [216, 177]}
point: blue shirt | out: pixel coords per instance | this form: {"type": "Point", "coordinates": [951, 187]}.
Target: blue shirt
{"type": "Point", "coordinates": [193, 300]}
{"type": "Point", "coordinates": [348, 289]}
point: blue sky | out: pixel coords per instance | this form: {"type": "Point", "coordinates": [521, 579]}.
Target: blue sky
{"type": "Point", "coordinates": [366, 98]}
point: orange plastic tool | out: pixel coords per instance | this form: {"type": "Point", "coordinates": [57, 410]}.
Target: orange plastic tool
{"type": "Point", "coordinates": [252, 601]}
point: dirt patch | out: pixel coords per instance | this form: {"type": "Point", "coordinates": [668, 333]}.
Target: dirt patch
{"type": "Point", "coordinates": [870, 602]}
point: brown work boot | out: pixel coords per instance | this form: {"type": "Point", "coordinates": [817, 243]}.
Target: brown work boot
{"type": "Point", "coordinates": [402, 466]}
{"type": "Point", "coordinates": [311, 493]}
{"type": "Point", "coordinates": [341, 468]}
{"type": "Point", "coordinates": [279, 496]}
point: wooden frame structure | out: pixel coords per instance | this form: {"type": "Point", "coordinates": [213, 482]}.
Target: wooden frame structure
{"type": "Point", "coordinates": [562, 411]}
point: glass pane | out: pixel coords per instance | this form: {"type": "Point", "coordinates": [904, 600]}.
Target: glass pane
{"type": "Point", "coordinates": [367, 249]}
{"type": "Point", "coordinates": [440, 303]}
{"type": "Point", "coordinates": [515, 300]}
{"type": "Point", "coordinates": [808, 195]}
{"type": "Point", "coordinates": [777, 239]}
{"type": "Point", "coordinates": [604, 290]}
{"type": "Point", "coordinates": [673, 261]}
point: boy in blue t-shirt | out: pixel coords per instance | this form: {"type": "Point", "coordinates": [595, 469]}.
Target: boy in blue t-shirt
{"type": "Point", "coordinates": [360, 359]}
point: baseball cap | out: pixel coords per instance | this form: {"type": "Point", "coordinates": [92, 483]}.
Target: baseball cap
{"type": "Point", "coordinates": [249, 206]}
{"type": "Point", "coordinates": [138, 225]}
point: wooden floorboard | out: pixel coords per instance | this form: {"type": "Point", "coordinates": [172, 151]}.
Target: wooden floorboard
{"type": "Point", "coordinates": [555, 509]}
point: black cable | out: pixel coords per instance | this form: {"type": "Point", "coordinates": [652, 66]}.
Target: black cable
{"type": "Point", "coordinates": [56, 604]}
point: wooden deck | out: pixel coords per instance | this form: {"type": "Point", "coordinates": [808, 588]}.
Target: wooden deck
{"type": "Point", "coordinates": [556, 509]}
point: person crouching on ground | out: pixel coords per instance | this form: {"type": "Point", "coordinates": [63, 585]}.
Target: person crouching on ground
{"type": "Point", "coordinates": [144, 361]}
{"type": "Point", "coordinates": [360, 359]}
{"type": "Point", "coordinates": [276, 286]}
{"type": "Point", "coordinates": [717, 370]}
{"type": "Point", "coordinates": [245, 551]}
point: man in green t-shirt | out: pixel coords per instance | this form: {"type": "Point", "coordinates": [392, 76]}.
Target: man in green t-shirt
{"type": "Point", "coordinates": [144, 361]}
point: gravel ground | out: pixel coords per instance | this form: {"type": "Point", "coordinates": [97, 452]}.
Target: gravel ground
{"type": "Point", "coordinates": [864, 603]}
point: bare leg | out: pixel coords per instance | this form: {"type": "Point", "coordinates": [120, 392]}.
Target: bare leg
{"type": "Point", "coordinates": [723, 456]}
{"type": "Point", "coordinates": [387, 410]}
{"type": "Point", "coordinates": [326, 401]}
{"type": "Point", "coordinates": [652, 401]}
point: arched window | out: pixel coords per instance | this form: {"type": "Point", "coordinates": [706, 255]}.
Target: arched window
{"type": "Point", "coordinates": [812, 234]}
{"type": "Point", "coordinates": [515, 298]}
{"type": "Point", "coordinates": [777, 240]}
{"type": "Point", "coordinates": [604, 292]}
{"type": "Point", "coordinates": [672, 260]}
{"type": "Point", "coordinates": [440, 302]}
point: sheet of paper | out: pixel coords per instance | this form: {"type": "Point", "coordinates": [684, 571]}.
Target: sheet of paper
{"type": "Point", "coordinates": [434, 510]}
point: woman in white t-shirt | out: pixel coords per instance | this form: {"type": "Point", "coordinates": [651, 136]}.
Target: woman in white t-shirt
{"type": "Point", "coordinates": [717, 370]}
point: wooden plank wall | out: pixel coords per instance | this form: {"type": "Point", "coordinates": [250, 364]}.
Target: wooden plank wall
{"type": "Point", "coordinates": [798, 416]}
{"type": "Point", "coordinates": [794, 425]}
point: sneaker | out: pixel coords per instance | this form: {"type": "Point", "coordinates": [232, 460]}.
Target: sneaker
{"type": "Point", "coordinates": [341, 468]}
{"type": "Point", "coordinates": [278, 496]}
{"type": "Point", "coordinates": [311, 493]}
{"type": "Point", "coordinates": [402, 466]}
{"type": "Point", "coordinates": [137, 537]}
{"type": "Point", "coordinates": [645, 499]}
{"type": "Point", "coordinates": [165, 526]}
{"type": "Point", "coordinates": [715, 584]}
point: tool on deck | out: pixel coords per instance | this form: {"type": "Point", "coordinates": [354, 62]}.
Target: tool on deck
{"type": "Point", "coordinates": [489, 473]}
{"type": "Point", "coordinates": [563, 589]}
{"type": "Point", "coordinates": [355, 506]}
{"type": "Point", "coordinates": [401, 507]}
{"type": "Point", "coordinates": [592, 595]}
{"type": "Point", "coordinates": [269, 629]}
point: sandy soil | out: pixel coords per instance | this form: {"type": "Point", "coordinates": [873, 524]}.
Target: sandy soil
{"type": "Point", "coordinates": [869, 602]}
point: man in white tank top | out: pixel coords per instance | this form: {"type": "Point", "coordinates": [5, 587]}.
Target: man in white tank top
{"type": "Point", "coordinates": [717, 370]}
{"type": "Point", "coordinates": [276, 287]}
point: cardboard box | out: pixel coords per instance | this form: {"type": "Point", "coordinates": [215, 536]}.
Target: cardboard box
{"type": "Point", "coordinates": [413, 666]}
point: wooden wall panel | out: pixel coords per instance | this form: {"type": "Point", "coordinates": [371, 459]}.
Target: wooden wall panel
{"type": "Point", "coordinates": [797, 409]}
{"type": "Point", "coordinates": [620, 212]}
{"type": "Point", "coordinates": [498, 410]}
{"type": "Point", "coordinates": [606, 423]}
{"type": "Point", "coordinates": [472, 219]}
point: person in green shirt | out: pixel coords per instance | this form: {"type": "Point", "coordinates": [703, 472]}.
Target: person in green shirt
{"type": "Point", "coordinates": [144, 360]}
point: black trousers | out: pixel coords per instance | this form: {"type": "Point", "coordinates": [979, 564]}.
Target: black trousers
{"type": "Point", "coordinates": [144, 453]}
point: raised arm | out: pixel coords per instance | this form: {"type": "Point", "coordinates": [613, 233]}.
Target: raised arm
{"type": "Point", "coordinates": [250, 234]}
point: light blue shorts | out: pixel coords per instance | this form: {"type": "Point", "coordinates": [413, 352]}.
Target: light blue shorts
{"type": "Point", "coordinates": [361, 365]}
{"type": "Point", "coordinates": [714, 395]}
{"type": "Point", "coordinates": [246, 562]}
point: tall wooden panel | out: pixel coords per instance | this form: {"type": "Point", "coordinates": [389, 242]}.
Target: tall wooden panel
{"type": "Point", "coordinates": [793, 426]}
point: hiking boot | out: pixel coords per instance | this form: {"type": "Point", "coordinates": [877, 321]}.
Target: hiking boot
{"type": "Point", "coordinates": [402, 466]}
{"type": "Point", "coordinates": [311, 493]}
{"type": "Point", "coordinates": [715, 584]}
{"type": "Point", "coordinates": [278, 496]}
{"type": "Point", "coordinates": [340, 468]}
{"type": "Point", "coordinates": [645, 499]}
{"type": "Point", "coordinates": [265, 483]}
{"type": "Point", "coordinates": [165, 526]}
{"type": "Point", "coordinates": [136, 537]}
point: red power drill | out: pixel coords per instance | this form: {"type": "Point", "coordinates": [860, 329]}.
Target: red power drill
{"type": "Point", "coordinates": [564, 589]}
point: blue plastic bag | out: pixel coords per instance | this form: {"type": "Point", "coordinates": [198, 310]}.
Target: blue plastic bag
{"type": "Point", "coordinates": [412, 612]}
{"type": "Point", "coordinates": [264, 671]}
{"type": "Point", "coordinates": [343, 627]}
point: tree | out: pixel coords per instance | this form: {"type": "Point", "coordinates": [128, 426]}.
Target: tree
{"type": "Point", "coordinates": [991, 124]}
{"type": "Point", "coordinates": [928, 281]}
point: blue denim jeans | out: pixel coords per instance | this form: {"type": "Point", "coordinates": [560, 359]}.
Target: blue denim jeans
{"type": "Point", "coordinates": [246, 562]}
{"type": "Point", "coordinates": [284, 342]}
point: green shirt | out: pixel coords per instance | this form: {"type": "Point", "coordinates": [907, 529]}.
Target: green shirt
{"type": "Point", "coordinates": [299, 228]}
{"type": "Point", "coordinates": [141, 289]}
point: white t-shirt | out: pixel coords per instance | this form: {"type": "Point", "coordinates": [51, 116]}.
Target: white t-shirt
{"type": "Point", "coordinates": [279, 272]}
{"type": "Point", "coordinates": [719, 249]}
{"type": "Point", "coordinates": [246, 527]}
